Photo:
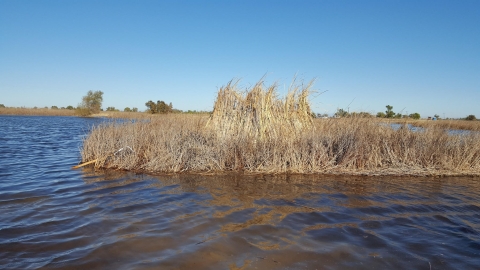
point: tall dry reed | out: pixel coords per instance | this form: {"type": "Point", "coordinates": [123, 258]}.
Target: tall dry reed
{"type": "Point", "coordinates": [259, 113]}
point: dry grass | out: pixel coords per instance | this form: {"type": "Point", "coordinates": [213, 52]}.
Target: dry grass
{"type": "Point", "coordinates": [124, 115]}
{"type": "Point", "coordinates": [447, 124]}
{"type": "Point", "coordinates": [181, 143]}
{"type": "Point", "coordinates": [252, 144]}
{"type": "Point", "coordinates": [39, 112]}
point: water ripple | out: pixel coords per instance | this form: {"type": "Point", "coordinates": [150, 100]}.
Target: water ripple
{"type": "Point", "coordinates": [57, 218]}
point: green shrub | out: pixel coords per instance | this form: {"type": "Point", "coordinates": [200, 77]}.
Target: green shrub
{"type": "Point", "coordinates": [471, 117]}
{"type": "Point", "coordinates": [415, 116]}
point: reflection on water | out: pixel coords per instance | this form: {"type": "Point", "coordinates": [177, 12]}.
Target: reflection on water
{"type": "Point", "coordinates": [57, 218]}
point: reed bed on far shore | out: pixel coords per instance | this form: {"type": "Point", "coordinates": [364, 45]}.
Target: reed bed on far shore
{"type": "Point", "coordinates": [124, 115]}
{"type": "Point", "coordinates": [202, 144]}
{"type": "Point", "coordinates": [448, 124]}
{"type": "Point", "coordinates": [66, 112]}
{"type": "Point", "coordinates": [38, 112]}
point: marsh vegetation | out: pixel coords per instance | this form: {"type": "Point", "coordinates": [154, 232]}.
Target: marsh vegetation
{"type": "Point", "coordinates": [255, 131]}
{"type": "Point", "coordinates": [36, 111]}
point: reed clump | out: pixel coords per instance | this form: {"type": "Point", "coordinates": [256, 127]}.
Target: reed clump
{"type": "Point", "coordinates": [257, 132]}
{"type": "Point", "coordinates": [259, 113]}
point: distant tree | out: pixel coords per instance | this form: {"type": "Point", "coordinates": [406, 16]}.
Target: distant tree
{"type": "Point", "coordinates": [389, 113]}
{"type": "Point", "coordinates": [127, 109]}
{"type": "Point", "coordinates": [151, 107]}
{"type": "Point", "coordinates": [398, 115]}
{"type": "Point", "coordinates": [381, 115]}
{"type": "Point", "coordinates": [471, 117]}
{"type": "Point", "coordinates": [134, 109]}
{"type": "Point", "coordinates": [111, 109]}
{"type": "Point", "coordinates": [162, 107]}
{"type": "Point", "coordinates": [91, 103]}
{"type": "Point", "coordinates": [54, 108]}
{"type": "Point", "coordinates": [2, 106]}
{"type": "Point", "coordinates": [69, 107]}
{"type": "Point", "coordinates": [415, 116]}
{"type": "Point", "coordinates": [437, 116]}
{"type": "Point", "coordinates": [159, 107]}
{"type": "Point", "coordinates": [341, 113]}
{"type": "Point", "coordinates": [361, 114]}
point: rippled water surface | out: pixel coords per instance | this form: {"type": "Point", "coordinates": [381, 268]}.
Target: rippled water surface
{"type": "Point", "coordinates": [53, 217]}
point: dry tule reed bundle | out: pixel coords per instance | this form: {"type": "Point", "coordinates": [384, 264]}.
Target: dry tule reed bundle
{"type": "Point", "coordinates": [259, 113]}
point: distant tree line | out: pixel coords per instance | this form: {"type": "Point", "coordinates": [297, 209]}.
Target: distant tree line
{"type": "Point", "coordinates": [159, 107]}
{"type": "Point", "coordinates": [471, 117]}
{"type": "Point", "coordinates": [341, 113]}
{"type": "Point", "coordinates": [92, 103]}
{"type": "Point", "coordinates": [389, 113]}
{"type": "Point", "coordinates": [127, 109]}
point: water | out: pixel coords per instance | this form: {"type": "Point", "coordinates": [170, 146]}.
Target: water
{"type": "Point", "coordinates": [411, 127]}
{"type": "Point", "coordinates": [53, 217]}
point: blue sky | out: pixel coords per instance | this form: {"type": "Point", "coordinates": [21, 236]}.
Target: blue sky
{"type": "Point", "coordinates": [419, 56]}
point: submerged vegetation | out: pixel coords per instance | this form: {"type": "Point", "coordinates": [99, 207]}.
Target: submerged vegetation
{"type": "Point", "coordinates": [257, 132]}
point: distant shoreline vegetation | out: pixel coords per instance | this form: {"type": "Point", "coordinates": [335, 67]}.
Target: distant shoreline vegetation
{"type": "Point", "coordinates": [109, 112]}
{"type": "Point", "coordinates": [46, 111]}
{"type": "Point", "coordinates": [160, 107]}
{"type": "Point", "coordinates": [255, 132]}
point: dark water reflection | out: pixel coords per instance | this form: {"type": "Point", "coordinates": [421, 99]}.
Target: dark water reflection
{"type": "Point", "coordinates": [53, 217]}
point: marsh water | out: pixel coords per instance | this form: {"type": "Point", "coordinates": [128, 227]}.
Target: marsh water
{"type": "Point", "coordinates": [53, 217]}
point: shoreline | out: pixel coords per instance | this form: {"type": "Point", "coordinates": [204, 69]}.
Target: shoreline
{"type": "Point", "coordinates": [264, 176]}
{"type": "Point", "coordinates": [363, 174]}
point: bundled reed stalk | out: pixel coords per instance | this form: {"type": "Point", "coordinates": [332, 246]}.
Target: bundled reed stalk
{"type": "Point", "coordinates": [259, 113]}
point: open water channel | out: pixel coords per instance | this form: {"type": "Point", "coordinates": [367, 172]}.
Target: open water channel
{"type": "Point", "coordinates": [53, 217]}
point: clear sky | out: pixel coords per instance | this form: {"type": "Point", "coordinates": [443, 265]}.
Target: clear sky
{"type": "Point", "coordinates": [419, 56]}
